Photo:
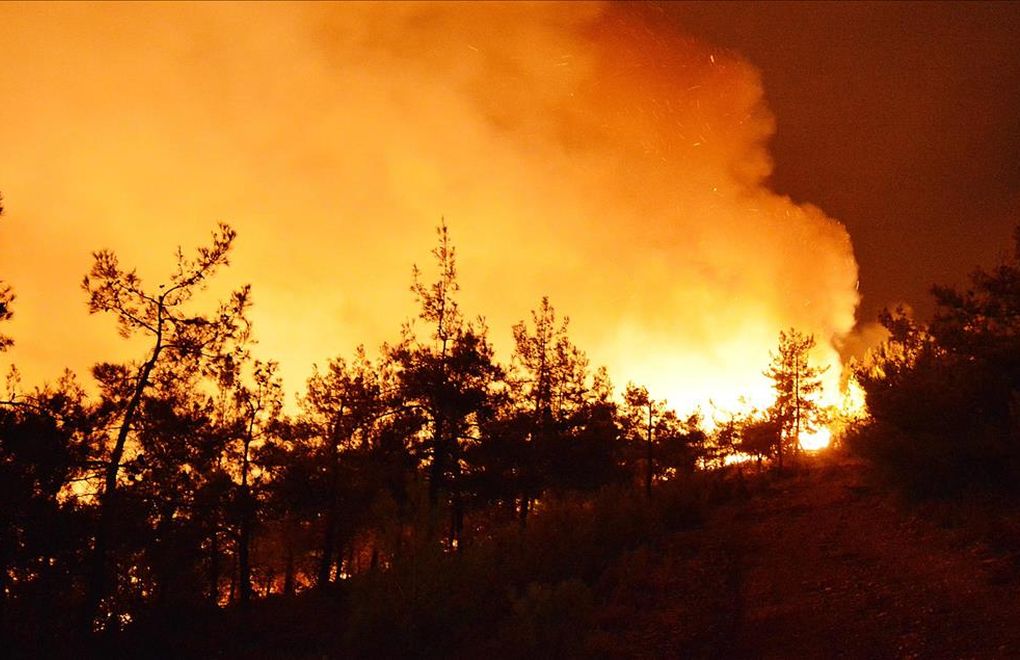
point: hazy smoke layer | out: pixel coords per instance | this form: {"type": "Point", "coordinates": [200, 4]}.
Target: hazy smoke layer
{"type": "Point", "coordinates": [579, 151]}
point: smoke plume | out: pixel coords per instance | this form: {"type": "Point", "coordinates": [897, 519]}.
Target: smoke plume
{"type": "Point", "coordinates": [583, 151]}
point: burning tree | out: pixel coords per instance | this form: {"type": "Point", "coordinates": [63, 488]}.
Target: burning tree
{"type": "Point", "coordinates": [797, 384]}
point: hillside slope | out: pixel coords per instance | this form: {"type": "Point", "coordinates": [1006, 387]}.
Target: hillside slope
{"type": "Point", "coordinates": [816, 565]}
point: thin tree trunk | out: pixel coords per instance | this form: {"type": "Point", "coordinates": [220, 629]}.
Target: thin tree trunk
{"type": "Point", "coordinates": [245, 527]}
{"type": "Point", "coordinates": [456, 521]}
{"type": "Point", "coordinates": [270, 577]}
{"type": "Point", "coordinates": [4, 581]}
{"type": "Point", "coordinates": [96, 584]}
{"type": "Point", "coordinates": [796, 406]}
{"type": "Point", "coordinates": [648, 475]}
{"type": "Point", "coordinates": [244, 547]}
{"type": "Point", "coordinates": [456, 508]}
{"type": "Point", "coordinates": [214, 567]}
{"type": "Point", "coordinates": [344, 555]}
{"type": "Point", "coordinates": [288, 575]}
{"type": "Point", "coordinates": [163, 570]}
{"type": "Point", "coordinates": [437, 472]}
{"type": "Point", "coordinates": [328, 543]}
{"type": "Point", "coordinates": [437, 468]}
{"type": "Point", "coordinates": [332, 512]}
{"type": "Point", "coordinates": [782, 423]}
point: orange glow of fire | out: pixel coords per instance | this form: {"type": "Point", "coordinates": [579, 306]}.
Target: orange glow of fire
{"type": "Point", "coordinates": [816, 440]}
{"type": "Point", "coordinates": [577, 151]}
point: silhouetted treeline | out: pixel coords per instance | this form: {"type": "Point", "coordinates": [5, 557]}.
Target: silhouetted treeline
{"type": "Point", "coordinates": [181, 486]}
{"type": "Point", "coordinates": [944, 398]}
{"type": "Point", "coordinates": [425, 496]}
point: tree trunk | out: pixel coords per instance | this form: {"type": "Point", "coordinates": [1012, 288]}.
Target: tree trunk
{"type": "Point", "coordinates": [456, 521]}
{"type": "Point", "coordinates": [4, 581]}
{"type": "Point", "coordinates": [796, 406]}
{"type": "Point", "coordinates": [456, 506]}
{"type": "Point", "coordinates": [163, 569]}
{"type": "Point", "coordinates": [437, 468]}
{"type": "Point", "coordinates": [288, 571]}
{"type": "Point", "coordinates": [437, 474]}
{"type": "Point", "coordinates": [328, 543]}
{"type": "Point", "coordinates": [342, 554]}
{"type": "Point", "coordinates": [214, 567]}
{"type": "Point", "coordinates": [245, 526]}
{"type": "Point", "coordinates": [96, 584]}
{"type": "Point", "coordinates": [648, 457]}
{"type": "Point", "coordinates": [332, 514]}
{"type": "Point", "coordinates": [244, 546]}
{"type": "Point", "coordinates": [779, 445]}
{"type": "Point", "coordinates": [270, 577]}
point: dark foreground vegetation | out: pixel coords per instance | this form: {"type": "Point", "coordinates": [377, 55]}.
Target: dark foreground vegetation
{"type": "Point", "coordinates": [432, 501]}
{"type": "Point", "coordinates": [515, 593]}
{"type": "Point", "coordinates": [944, 398]}
{"type": "Point", "coordinates": [432, 496]}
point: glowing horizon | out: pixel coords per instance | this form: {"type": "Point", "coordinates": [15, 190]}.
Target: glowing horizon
{"type": "Point", "coordinates": [572, 155]}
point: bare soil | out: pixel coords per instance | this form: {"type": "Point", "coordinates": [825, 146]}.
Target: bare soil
{"type": "Point", "coordinates": [815, 564]}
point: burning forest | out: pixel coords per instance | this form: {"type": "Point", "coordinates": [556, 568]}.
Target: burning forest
{"type": "Point", "coordinates": [487, 319]}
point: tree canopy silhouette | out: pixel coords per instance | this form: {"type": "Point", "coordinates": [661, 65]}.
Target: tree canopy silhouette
{"type": "Point", "coordinates": [175, 334]}
{"type": "Point", "coordinates": [445, 383]}
{"type": "Point", "coordinates": [943, 396]}
{"type": "Point", "coordinates": [797, 384]}
{"type": "Point", "coordinates": [183, 485]}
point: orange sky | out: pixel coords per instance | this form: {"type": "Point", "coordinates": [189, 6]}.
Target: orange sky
{"type": "Point", "coordinates": [575, 150]}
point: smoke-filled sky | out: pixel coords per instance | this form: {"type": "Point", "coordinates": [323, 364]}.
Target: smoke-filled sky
{"type": "Point", "coordinates": [610, 156]}
{"type": "Point", "coordinates": [902, 119]}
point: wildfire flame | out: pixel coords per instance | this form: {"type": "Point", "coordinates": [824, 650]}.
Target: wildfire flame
{"type": "Point", "coordinates": [816, 440]}
{"type": "Point", "coordinates": [584, 151]}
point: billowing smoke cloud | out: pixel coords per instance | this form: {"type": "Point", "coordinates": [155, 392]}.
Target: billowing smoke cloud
{"type": "Point", "coordinates": [580, 151]}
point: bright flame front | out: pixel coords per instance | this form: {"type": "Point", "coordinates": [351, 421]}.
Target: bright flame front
{"type": "Point", "coordinates": [816, 440]}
